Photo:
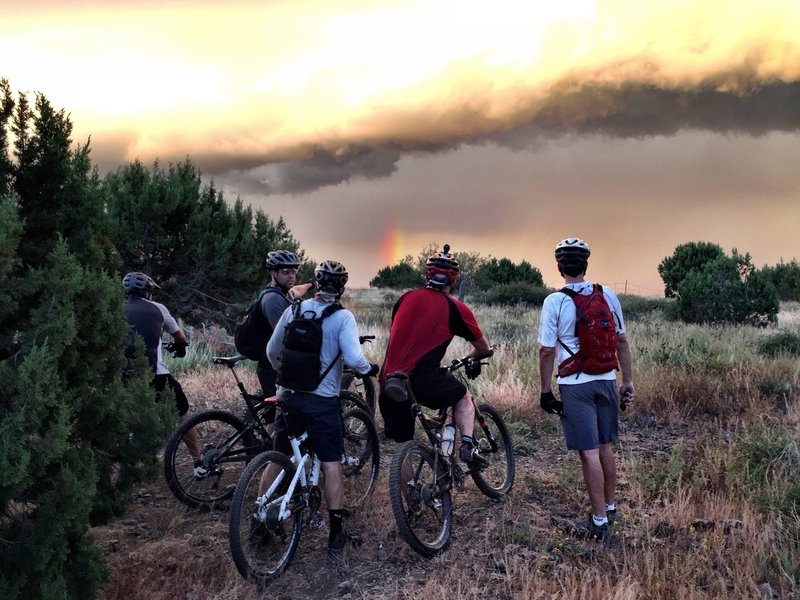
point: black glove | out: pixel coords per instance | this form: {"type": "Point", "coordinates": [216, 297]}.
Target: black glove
{"type": "Point", "coordinates": [178, 350]}
{"type": "Point", "coordinates": [374, 369]}
{"type": "Point", "coordinates": [550, 405]}
{"type": "Point", "coordinates": [472, 367]}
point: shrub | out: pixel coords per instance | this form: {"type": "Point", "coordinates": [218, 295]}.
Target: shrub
{"type": "Point", "coordinates": [514, 293]}
{"type": "Point", "coordinates": [400, 277]}
{"type": "Point", "coordinates": [638, 307]}
{"type": "Point", "coordinates": [784, 343]}
{"type": "Point", "coordinates": [727, 290]}
{"type": "Point", "coordinates": [686, 258]}
{"type": "Point", "coordinates": [494, 272]}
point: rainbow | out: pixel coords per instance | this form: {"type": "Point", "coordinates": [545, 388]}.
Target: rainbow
{"type": "Point", "coordinates": [392, 246]}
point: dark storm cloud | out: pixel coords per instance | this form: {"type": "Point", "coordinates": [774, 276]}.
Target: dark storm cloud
{"type": "Point", "coordinates": [626, 111]}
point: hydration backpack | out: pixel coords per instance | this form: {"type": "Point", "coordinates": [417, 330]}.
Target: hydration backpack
{"type": "Point", "coordinates": [300, 363]}
{"type": "Point", "coordinates": [253, 330]}
{"type": "Point", "coordinates": [596, 333]}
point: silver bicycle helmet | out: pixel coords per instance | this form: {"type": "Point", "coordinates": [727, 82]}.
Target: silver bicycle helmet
{"type": "Point", "coordinates": [572, 250]}
{"type": "Point", "coordinates": [282, 259]}
{"type": "Point", "coordinates": [139, 283]}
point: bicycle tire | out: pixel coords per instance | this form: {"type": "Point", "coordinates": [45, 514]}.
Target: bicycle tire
{"type": "Point", "coordinates": [362, 457]}
{"type": "Point", "coordinates": [351, 400]}
{"type": "Point", "coordinates": [496, 479]}
{"type": "Point", "coordinates": [422, 508]}
{"type": "Point", "coordinates": [262, 549]}
{"type": "Point", "coordinates": [227, 445]}
{"type": "Point", "coordinates": [364, 388]}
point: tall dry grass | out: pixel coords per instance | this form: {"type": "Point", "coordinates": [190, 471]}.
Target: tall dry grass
{"type": "Point", "coordinates": [708, 485]}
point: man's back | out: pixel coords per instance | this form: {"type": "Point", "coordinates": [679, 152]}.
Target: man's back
{"type": "Point", "coordinates": [424, 323]}
{"type": "Point", "coordinates": [145, 319]}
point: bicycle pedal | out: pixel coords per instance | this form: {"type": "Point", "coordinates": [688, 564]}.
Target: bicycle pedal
{"type": "Point", "coordinates": [316, 521]}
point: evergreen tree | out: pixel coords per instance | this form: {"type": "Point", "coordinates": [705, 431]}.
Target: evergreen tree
{"type": "Point", "coordinates": [494, 272]}
{"type": "Point", "coordinates": [727, 290]}
{"type": "Point", "coordinates": [73, 439]}
{"type": "Point", "coordinates": [687, 257]}
{"type": "Point", "coordinates": [206, 255]}
{"type": "Point", "coordinates": [786, 279]}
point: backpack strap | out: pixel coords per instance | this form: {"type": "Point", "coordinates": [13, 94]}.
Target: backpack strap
{"type": "Point", "coordinates": [329, 310]}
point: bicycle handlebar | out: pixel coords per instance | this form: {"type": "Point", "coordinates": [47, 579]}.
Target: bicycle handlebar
{"type": "Point", "coordinates": [463, 362]}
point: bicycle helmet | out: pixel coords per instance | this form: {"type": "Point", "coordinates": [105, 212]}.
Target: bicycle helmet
{"type": "Point", "coordinates": [282, 259]}
{"type": "Point", "coordinates": [572, 250]}
{"type": "Point", "coordinates": [331, 276]}
{"type": "Point", "coordinates": [441, 270]}
{"type": "Point", "coordinates": [138, 283]}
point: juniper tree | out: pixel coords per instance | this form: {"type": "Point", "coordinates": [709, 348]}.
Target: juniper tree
{"type": "Point", "coordinates": [73, 439]}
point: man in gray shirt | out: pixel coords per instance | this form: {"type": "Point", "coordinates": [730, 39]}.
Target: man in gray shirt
{"type": "Point", "coordinates": [319, 412]}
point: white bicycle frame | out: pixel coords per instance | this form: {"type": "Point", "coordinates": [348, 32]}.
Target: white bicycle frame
{"type": "Point", "coordinates": [299, 460]}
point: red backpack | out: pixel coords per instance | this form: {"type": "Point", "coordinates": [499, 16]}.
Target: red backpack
{"type": "Point", "coordinates": [596, 333]}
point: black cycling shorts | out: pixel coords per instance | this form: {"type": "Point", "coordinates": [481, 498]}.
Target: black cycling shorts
{"type": "Point", "coordinates": [435, 388]}
{"type": "Point", "coordinates": [319, 415]}
{"type": "Point", "coordinates": [161, 381]}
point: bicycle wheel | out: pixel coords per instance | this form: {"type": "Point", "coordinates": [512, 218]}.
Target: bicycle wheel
{"type": "Point", "coordinates": [494, 442]}
{"type": "Point", "coordinates": [363, 387]}
{"type": "Point", "coordinates": [263, 542]}
{"type": "Point", "coordinates": [351, 400]}
{"type": "Point", "coordinates": [422, 507]}
{"type": "Point", "coordinates": [226, 443]}
{"type": "Point", "coordinates": [361, 461]}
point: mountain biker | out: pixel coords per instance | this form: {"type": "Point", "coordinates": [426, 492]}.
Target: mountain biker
{"type": "Point", "coordinates": [589, 402]}
{"type": "Point", "coordinates": [149, 319]}
{"type": "Point", "coordinates": [319, 412]}
{"type": "Point", "coordinates": [282, 267]}
{"type": "Point", "coordinates": [424, 322]}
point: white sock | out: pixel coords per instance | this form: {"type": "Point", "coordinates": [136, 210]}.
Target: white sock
{"type": "Point", "coordinates": [599, 520]}
{"type": "Point", "coordinates": [610, 507]}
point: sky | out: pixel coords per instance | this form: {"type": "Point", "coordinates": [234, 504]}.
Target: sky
{"type": "Point", "coordinates": [378, 127]}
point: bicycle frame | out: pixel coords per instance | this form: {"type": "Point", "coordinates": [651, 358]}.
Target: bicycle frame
{"type": "Point", "coordinates": [430, 424]}
{"type": "Point", "coordinates": [300, 460]}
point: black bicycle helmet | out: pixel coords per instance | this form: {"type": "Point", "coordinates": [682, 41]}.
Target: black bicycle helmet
{"type": "Point", "coordinates": [331, 276]}
{"type": "Point", "coordinates": [138, 283]}
{"type": "Point", "coordinates": [282, 259]}
{"type": "Point", "coordinates": [441, 269]}
{"type": "Point", "coordinates": [572, 250]}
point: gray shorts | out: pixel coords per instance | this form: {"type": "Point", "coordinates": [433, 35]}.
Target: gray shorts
{"type": "Point", "coordinates": [590, 414]}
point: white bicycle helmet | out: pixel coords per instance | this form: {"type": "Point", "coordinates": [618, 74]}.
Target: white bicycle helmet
{"type": "Point", "coordinates": [331, 276]}
{"type": "Point", "coordinates": [572, 250]}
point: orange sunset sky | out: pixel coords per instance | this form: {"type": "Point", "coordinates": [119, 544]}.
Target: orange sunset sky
{"type": "Point", "coordinates": [376, 127]}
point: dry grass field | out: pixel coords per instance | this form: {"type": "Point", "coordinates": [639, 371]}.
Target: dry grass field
{"type": "Point", "coordinates": [708, 460]}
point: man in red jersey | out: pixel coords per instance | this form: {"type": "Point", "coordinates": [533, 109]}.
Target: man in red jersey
{"type": "Point", "coordinates": [424, 322]}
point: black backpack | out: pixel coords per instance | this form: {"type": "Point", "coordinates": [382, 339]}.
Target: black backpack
{"type": "Point", "coordinates": [300, 363]}
{"type": "Point", "coordinates": [253, 330]}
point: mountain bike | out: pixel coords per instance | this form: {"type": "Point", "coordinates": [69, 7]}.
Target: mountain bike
{"type": "Point", "coordinates": [423, 473]}
{"type": "Point", "coordinates": [228, 443]}
{"type": "Point", "coordinates": [265, 524]}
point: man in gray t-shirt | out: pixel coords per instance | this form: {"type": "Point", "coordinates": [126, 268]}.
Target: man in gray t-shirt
{"type": "Point", "coordinates": [282, 266]}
